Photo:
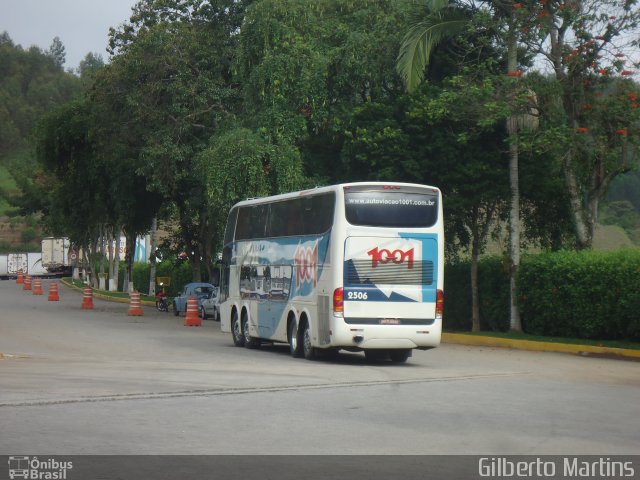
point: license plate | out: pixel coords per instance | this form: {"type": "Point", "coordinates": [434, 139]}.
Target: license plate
{"type": "Point", "coordinates": [389, 321]}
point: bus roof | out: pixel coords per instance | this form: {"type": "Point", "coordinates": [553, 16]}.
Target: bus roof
{"type": "Point", "coordinates": [329, 188]}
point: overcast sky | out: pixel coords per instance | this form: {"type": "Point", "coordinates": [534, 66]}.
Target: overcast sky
{"type": "Point", "coordinates": [82, 25]}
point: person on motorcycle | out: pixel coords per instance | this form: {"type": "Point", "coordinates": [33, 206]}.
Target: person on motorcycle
{"type": "Point", "coordinates": [161, 301]}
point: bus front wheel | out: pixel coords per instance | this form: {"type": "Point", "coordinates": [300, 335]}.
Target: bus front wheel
{"type": "Point", "coordinates": [236, 330]}
{"type": "Point", "coordinates": [294, 344]}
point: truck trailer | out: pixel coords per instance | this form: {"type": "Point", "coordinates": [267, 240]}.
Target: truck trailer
{"type": "Point", "coordinates": [30, 263]}
{"type": "Point", "coordinates": [55, 255]}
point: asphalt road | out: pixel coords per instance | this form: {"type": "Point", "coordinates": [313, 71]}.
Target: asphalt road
{"type": "Point", "coordinates": [99, 382]}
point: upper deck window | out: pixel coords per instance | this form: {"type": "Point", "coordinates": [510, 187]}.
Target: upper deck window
{"type": "Point", "coordinates": [307, 215]}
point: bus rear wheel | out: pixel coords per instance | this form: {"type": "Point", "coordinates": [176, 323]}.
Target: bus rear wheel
{"type": "Point", "coordinates": [399, 356]}
{"type": "Point", "coordinates": [249, 341]}
{"type": "Point", "coordinates": [375, 356]}
{"type": "Point", "coordinates": [308, 351]}
{"type": "Point", "coordinates": [236, 330]}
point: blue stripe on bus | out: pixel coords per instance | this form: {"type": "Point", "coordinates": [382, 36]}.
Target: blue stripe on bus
{"type": "Point", "coordinates": [430, 251]}
{"type": "Point", "coordinates": [281, 252]}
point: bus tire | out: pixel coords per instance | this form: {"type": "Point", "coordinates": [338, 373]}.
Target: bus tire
{"type": "Point", "coordinates": [308, 351]}
{"type": "Point", "coordinates": [400, 355]}
{"type": "Point", "coordinates": [295, 346]}
{"type": "Point", "coordinates": [236, 330]}
{"type": "Point", "coordinates": [249, 341]}
{"type": "Point", "coordinates": [375, 355]}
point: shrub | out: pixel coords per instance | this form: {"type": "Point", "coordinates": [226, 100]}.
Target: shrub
{"type": "Point", "coordinates": [581, 294]}
{"type": "Point", "coordinates": [493, 286]}
{"type": "Point", "coordinates": [28, 234]}
{"type": "Point", "coordinates": [179, 273]}
{"type": "Point", "coordinates": [592, 295]}
{"type": "Point", "coordinates": [457, 297]}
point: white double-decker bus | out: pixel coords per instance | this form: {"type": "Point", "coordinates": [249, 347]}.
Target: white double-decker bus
{"type": "Point", "coordinates": [355, 266]}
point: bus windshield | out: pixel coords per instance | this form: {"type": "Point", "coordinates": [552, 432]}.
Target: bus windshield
{"type": "Point", "coordinates": [389, 208]}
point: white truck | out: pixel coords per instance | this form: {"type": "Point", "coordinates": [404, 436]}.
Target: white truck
{"type": "Point", "coordinates": [29, 263]}
{"type": "Point", "coordinates": [55, 254]}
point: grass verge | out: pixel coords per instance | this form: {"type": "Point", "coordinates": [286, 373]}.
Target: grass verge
{"type": "Point", "coordinates": [105, 293]}
{"type": "Point", "coordinates": [569, 341]}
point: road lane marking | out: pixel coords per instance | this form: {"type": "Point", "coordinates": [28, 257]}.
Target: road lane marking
{"type": "Point", "coordinates": [244, 391]}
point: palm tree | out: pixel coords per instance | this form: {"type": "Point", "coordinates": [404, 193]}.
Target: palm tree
{"type": "Point", "coordinates": [444, 21]}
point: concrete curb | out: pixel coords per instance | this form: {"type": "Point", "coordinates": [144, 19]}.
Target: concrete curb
{"type": "Point", "coordinates": [587, 350]}
{"type": "Point", "coordinates": [102, 296]}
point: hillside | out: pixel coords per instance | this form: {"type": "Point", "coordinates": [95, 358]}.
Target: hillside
{"type": "Point", "coordinates": [7, 185]}
{"type": "Point", "coordinates": [607, 237]}
{"type": "Point", "coordinates": [32, 83]}
{"type": "Point", "coordinates": [611, 237]}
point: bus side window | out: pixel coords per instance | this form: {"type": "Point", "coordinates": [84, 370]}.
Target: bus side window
{"type": "Point", "coordinates": [257, 227]}
{"type": "Point", "coordinates": [231, 226]}
{"type": "Point", "coordinates": [243, 228]}
{"type": "Point", "coordinates": [293, 218]}
{"type": "Point", "coordinates": [226, 271]}
{"type": "Point", "coordinates": [277, 224]}
{"type": "Point", "coordinates": [318, 214]}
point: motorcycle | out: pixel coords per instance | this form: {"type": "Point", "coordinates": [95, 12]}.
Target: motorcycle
{"type": "Point", "coordinates": [162, 304]}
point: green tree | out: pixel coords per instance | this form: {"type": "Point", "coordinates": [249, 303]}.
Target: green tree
{"type": "Point", "coordinates": [82, 189]}
{"type": "Point", "coordinates": [70, 181]}
{"type": "Point", "coordinates": [436, 136]}
{"type": "Point", "coordinates": [57, 52]}
{"type": "Point", "coordinates": [240, 164]}
{"type": "Point", "coordinates": [89, 66]}
{"type": "Point", "coordinates": [589, 46]}
{"type": "Point", "coordinates": [442, 21]}
{"type": "Point", "coordinates": [171, 78]}
{"type": "Point", "coordinates": [307, 64]}
{"type": "Point", "coordinates": [30, 85]}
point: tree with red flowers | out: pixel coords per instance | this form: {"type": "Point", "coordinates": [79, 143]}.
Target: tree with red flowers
{"type": "Point", "coordinates": [587, 48]}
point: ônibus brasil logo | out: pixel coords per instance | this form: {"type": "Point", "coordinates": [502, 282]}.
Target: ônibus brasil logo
{"type": "Point", "coordinates": [381, 257]}
{"type": "Point", "coordinates": [35, 469]}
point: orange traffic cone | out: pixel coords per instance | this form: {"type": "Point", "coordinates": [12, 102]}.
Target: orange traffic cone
{"type": "Point", "coordinates": [192, 319]}
{"type": "Point", "coordinates": [53, 292]}
{"type": "Point", "coordinates": [87, 299]}
{"type": "Point", "coordinates": [37, 286]}
{"type": "Point", "coordinates": [20, 278]}
{"type": "Point", "coordinates": [27, 283]}
{"type": "Point", "coordinates": [135, 309]}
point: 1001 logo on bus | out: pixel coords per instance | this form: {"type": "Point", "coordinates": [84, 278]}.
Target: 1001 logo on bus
{"type": "Point", "coordinates": [306, 259]}
{"type": "Point", "coordinates": [381, 257]}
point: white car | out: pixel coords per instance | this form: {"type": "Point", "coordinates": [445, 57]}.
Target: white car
{"type": "Point", "coordinates": [209, 306]}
